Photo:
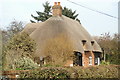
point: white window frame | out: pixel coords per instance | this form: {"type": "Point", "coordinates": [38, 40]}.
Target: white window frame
{"type": "Point", "coordinates": [90, 60]}
{"type": "Point", "coordinates": [98, 61]}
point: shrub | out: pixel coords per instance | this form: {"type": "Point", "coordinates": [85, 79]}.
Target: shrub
{"type": "Point", "coordinates": [105, 63]}
{"type": "Point", "coordinates": [26, 63]}
{"type": "Point", "coordinates": [21, 41]}
{"type": "Point", "coordinates": [19, 47]}
{"type": "Point", "coordinates": [102, 71]}
{"type": "Point", "coordinates": [47, 73]}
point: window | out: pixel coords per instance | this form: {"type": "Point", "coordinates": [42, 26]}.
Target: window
{"type": "Point", "coordinates": [96, 61]}
{"type": "Point", "coordinates": [83, 41]}
{"type": "Point", "coordinates": [90, 60]}
{"type": "Point", "coordinates": [92, 42]}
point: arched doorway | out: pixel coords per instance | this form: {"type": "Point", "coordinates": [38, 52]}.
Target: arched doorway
{"type": "Point", "coordinates": [77, 59]}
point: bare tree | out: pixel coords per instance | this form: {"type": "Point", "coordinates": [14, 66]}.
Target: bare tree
{"type": "Point", "coordinates": [110, 45]}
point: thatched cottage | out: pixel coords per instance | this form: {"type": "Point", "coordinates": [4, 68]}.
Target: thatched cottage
{"type": "Point", "coordinates": [86, 49]}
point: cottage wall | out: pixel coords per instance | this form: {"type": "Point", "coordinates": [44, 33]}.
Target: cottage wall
{"type": "Point", "coordinates": [86, 59]}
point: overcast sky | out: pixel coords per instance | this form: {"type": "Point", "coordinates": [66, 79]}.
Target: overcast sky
{"type": "Point", "coordinates": [95, 23]}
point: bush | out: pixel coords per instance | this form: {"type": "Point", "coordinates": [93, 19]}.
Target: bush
{"type": "Point", "coordinates": [102, 71]}
{"type": "Point", "coordinates": [114, 58]}
{"type": "Point", "coordinates": [17, 50]}
{"type": "Point", "coordinates": [21, 41]}
{"type": "Point", "coordinates": [47, 73]}
{"type": "Point", "coordinates": [110, 45]}
{"type": "Point", "coordinates": [26, 63]}
{"type": "Point", "coordinates": [104, 63]}
{"type": "Point", "coordinates": [49, 65]}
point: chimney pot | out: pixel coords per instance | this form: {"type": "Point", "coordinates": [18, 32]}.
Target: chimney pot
{"type": "Point", "coordinates": [57, 9]}
{"type": "Point", "coordinates": [55, 3]}
{"type": "Point", "coordinates": [58, 3]}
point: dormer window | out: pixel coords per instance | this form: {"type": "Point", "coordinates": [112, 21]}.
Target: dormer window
{"type": "Point", "coordinates": [92, 43]}
{"type": "Point", "coordinates": [83, 42]}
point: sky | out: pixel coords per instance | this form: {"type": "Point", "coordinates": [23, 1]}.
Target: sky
{"type": "Point", "coordinates": [119, 17]}
{"type": "Point", "coordinates": [95, 23]}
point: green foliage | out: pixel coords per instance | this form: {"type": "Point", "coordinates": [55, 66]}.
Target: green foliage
{"type": "Point", "coordinates": [50, 65]}
{"type": "Point", "coordinates": [20, 61]}
{"type": "Point", "coordinates": [43, 16]}
{"type": "Point", "coordinates": [48, 73]}
{"type": "Point", "coordinates": [99, 72]}
{"type": "Point", "coordinates": [21, 41]}
{"type": "Point", "coordinates": [110, 46]}
{"type": "Point", "coordinates": [25, 63]}
{"type": "Point", "coordinates": [102, 71]}
{"type": "Point", "coordinates": [69, 13]}
{"type": "Point", "coordinates": [20, 46]}
{"type": "Point", "coordinates": [105, 63]}
{"type": "Point", "coordinates": [114, 58]}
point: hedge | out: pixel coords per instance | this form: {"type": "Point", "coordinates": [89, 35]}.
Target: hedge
{"type": "Point", "coordinates": [46, 73]}
{"type": "Point", "coordinates": [103, 71]}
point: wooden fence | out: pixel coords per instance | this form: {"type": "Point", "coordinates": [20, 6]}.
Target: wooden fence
{"type": "Point", "coordinates": [12, 74]}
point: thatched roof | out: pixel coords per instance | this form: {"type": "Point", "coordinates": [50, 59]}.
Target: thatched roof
{"type": "Point", "coordinates": [30, 27]}
{"type": "Point", "coordinates": [56, 25]}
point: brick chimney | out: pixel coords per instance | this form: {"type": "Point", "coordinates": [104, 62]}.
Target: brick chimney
{"type": "Point", "coordinates": [57, 9]}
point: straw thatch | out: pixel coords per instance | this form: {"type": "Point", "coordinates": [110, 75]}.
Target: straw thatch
{"type": "Point", "coordinates": [56, 25]}
{"type": "Point", "coordinates": [30, 27]}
